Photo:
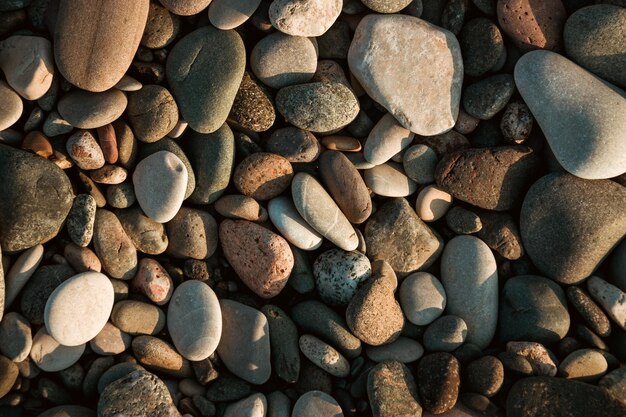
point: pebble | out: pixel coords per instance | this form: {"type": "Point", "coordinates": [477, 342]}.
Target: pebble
{"type": "Point", "coordinates": [490, 178]}
{"type": "Point", "coordinates": [396, 58]}
{"type": "Point", "coordinates": [83, 50]}
{"type": "Point", "coordinates": [470, 278]}
{"type": "Point", "coordinates": [84, 150]}
{"type": "Point", "coordinates": [318, 106]}
{"type": "Point", "coordinates": [422, 298]}
{"type": "Point", "coordinates": [20, 272]}
{"type": "Point", "coordinates": [419, 162]}
{"type": "Point", "coordinates": [387, 138]}
{"type": "Point", "coordinates": [517, 122]}
{"type": "Point", "coordinates": [115, 372]}
{"type": "Point", "coordinates": [487, 97]}
{"type": "Point", "coordinates": [121, 195]}
{"type": "Point", "coordinates": [462, 221]}
{"type": "Point", "coordinates": [55, 125]}
{"type": "Point", "coordinates": [113, 246]}
{"type": "Point", "coordinates": [212, 157]}
{"type": "Point", "coordinates": [153, 281]}
{"type": "Point", "coordinates": [541, 360]}
{"type": "Point", "coordinates": [533, 308]}
{"type": "Point", "coordinates": [194, 320]}
{"type": "Point", "coordinates": [136, 317]}
{"type": "Point", "coordinates": [185, 7]}
{"type": "Point", "coordinates": [147, 235]}
{"type": "Point", "coordinates": [261, 258]}
{"type": "Point", "coordinates": [485, 376]}
{"type": "Point", "coordinates": [482, 46]}
{"type": "Point", "coordinates": [532, 25]}
{"type": "Point", "coordinates": [79, 308]}
{"type": "Point", "coordinates": [438, 380]}
{"type": "Point", "coordinates": [126, 144]}
{"type": "Point", "coordinates": [68, 411]}
{"type": "Point", "coordinates": [263, 176]}
{"type": "Point", "coordinates": [161, 27]}
{"type": "Point", "coordinates": [296, 145]}
{"type": "Point", "coordinates": [284, 346]}
{"type": "Point", "coordinates": [81, 218]}
{"type": "Point", "coordinates": [279, 405]}
{"type": "Point", "coordinates": [245, 345]}
{"type": "Point", "coordinates": [569, 225]}
{"type": "Point", "coordinates": [304, 18]}
{"type": "Point", "coordinates": [500, 232]}
{"type": "Point", "coordinates": [615, 383]}
{"type": "Point", "coordinates": [252, 406]}
{"type": "Point", "coordinates": [550, 83]}
{"type": "Point", "coordinates": [316, 403]}
{"type": "Point", "coordinates": [50, 356]}
{"type": "Point", "coordinates": [225, 14]}
{"type": "Point", "coordinates": [338, 275]}
{"type": "Point", "coordinates": [16, 339]}
{"type": "Point", "coordinates": [392, 391]}
{"type": "Point", "coordinates": [556, 397]}
{"type": "Point", "coordinates": [403, 349]}
{"type": "Point", "coordinates": [253, 108]}
{"type": "Point", "coordinates": [396, 234]}
{"type": "Point", "coordinates": [10, 373]}
{"type": "Point", "coordinates": [28, 65]}
{"type": "Point", "coordinates": [389, 180]}
{"type": "Point", "coordinates": [583, 365]}
{"type": "Point", "coordinates": [373, 315]}
{"type": "Point", "coordinates": [611, 299]}
{"type": "Point", "coordinates": [318, 209]}
{"type": "Point", "coordinates": [291, 225]}
{"type": "Point", "coordinates": [36, 292]}
{"type": "Point", "coordinates": [160, 181]}
{"type": "Point", "coordinates": [228, 388]}
{"type": "Point", "coordinates": [341, 143]}
{"type": "Point", "coordinates": [515, 364]}
{"type": "Point", "coordinates": [192, 234]}
{"type": "Point", "coordinates": [432, 203]}
{"type": "Point", "coordinates": [110, 341]}
{"type": "Point", "coordinates": [241, 207]}
{"type": "Point", "coordinates": [109, 174]}
{"type": "Point", "coordinates": [86, 110]}
{"type": "Point", "coordinates": [152, 113]}
{"type": "Point", "coordinates": [445, 334]}
{"type": "Point", "coordinates": [318, 318]}
{"type": "Point", "coordinates": [204, 70]}
{"type": "Point", "coordinates": [11, 108]}
{"type": "Point", "coordinates": [345, 185]}
{"type": "Point", "coordinates": [324, 356]}
{"type": "Point", "coordinates": [137, 394]}
{"type": "Point", "coordinates": [279, 60]}
{"type": "Point", "coordinates": [591, 313]}
{"type": "Point", "coordinates": [160, 356]}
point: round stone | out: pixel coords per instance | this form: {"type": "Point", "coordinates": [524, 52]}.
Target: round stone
{"type": "Point", "coordinates": [316, 404]}
{"type": "Point", "coordinates": [386, 6]}
{"type": "Point", "coordinates": [160, 356]}
{"type": "Point", "coordinates": [11, 107]}
{"type": "Point", "coordinates": [291, 225]}
{"type": "Point", "coordinates": [482, 46]}
{"type": "Point", "coordinates": [152, 112]}
{"type": "Point", "coordinates": [229, 14]}
{"type": "Point", "coordinates": [422, 298]}
{"type": "Point", "coordinates": [86, 110]}
{"type": "Point", "coordinates": [432, 203]}
{"type": "Point", "coordinates": [121, 195]}
{"type": "Point", "coordinates": [110, 341]}
{"type": "Point", "coordinates": [194, 320]}
{"type": "Point", "coordinates": [338, 274]}
{"type": "Point", "coordinates": [445, 334]}
{"type": "Point", "coordinates": [487, 97]}
{"type": "Point", "coordinates": [304, 17]}
{"type": "Point", "coordinates": [147, 235]}
{"type": "Point", "coordinates": [50, 356]}
{"type": "Point", "coordinates": [84, 150]}
{"type": "Point", "coordinates": [185, 7]}
{"type": "Point", "coordinates": [438, 380]}
{"type": "Point", "coordinates": [162, 27]}
{"type": "Point", "coordinates": [419, 162]}
{"type": "Point", "coordinates": [136, 317]}
{"type": "Point", "coordinates": [192, 234]}
{"type": "Point", "coordinates": [462, 221]}
{"type": "Point", "coordinates": [252, 406]}
{"type": "Point", "coordinates": [583, 365]}
{"type": "Point", "coordinates": [263, 176]}
{"type": "Point", "coordinates": [485, 376]}
{"type": "Point", "coordinates": [240, 207]}
{"type": "Point", "coordinates": [153, 281]}
{"type": "Point", "coordinates": [296, 145]}
{"type": "Point", "coordinates": [160, 182]}
{"type": "Point", "coordinates": [38, 289]}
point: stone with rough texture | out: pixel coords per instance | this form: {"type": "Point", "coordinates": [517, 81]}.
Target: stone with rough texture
{"type": "Point", "coordinates": [241, 207]}
{"type": "Point", "coordinates": [581, 117]}
{"type": "Point", "coordinates": [397, 235]}
{"type": "Point", "coordinates": [95, 44]}
{"type": "Point", "coordinates": [399, 58]}
{"type": "Point", "coordinates": [204, 70]}
{"type": "Point", "coordinates": [81, 218]}
{"type": "Point", "coordinates": [253, 108]}
{"type": "Point", "coordinates": [136, 317]}
{"type": "Point", "coordinates": [28, 65]}
{"type": "Point", "coordinates": [87, 110]}
{"type": "Point", "coordinates": [162, 28]}
{"type": "Point", "coordinates": [50, 356]}
{"type": "Point", "coordinates": [262, 259]}
{"type": "Point", "coordinates": [84, 150]}
{"type": "Point", "coordinates": [160, 356]}
{"type": "Point", "coordinates": [185, 7]}
{"type": "Point", "coordinates": [482, 46]}
{"type": "Point", "coordinates": [291, 225]}
{"type": "Point", "coordinates": [148, 236]}
{"type": "Point", "coordinates": [470, 277]}
{"type": "Point", "coordinates": [113, 246]}
{"type": "Point", "coordinates": [263, 175]}
{"type": "Point", "coordinates": [192, 234]}
{"type": "Point", "coordinates": [324, 356]}
{"type": "Point", "coordinates": [615, 383]}
{"type": "Point", "coordinates": [160, 181]}
{"type": "Point", "coordinates": [438, 379]}
{"type": "Point", "coordinates": [153, 281]}
{"type": "Point", "coordinates": [542, 361]}
{"type": "Point", "coordinates": [316, 403]}
{"type": "Point", "coordinates": [11, 106]}
{"type": "Point", "coordinates": [569, 225]}
{"type": "Point", "coordinates": [500, 232]}
{"type": "Point", "coordinates": [79, 308]}
{"type": "Point", "coordinates": [532, 24]}
{"type": "Point", "coordinates": [30, 213]}
{"type": "Point", "coordinates": [137, 394]}
{"type": "Point", "coordinates": [245, 344]}
{"type": "Point", "coordinates": [591, 313]}
{"type": "Point", "coordinates": [338, 275]}
{"type": "Point", "coordinates": [392, 391]}
{"type": "Point", "coordinates": [295, 144]}
{"type": "Point", "coordinates": [318, 209]}
{"type": "Point", "coordinates": [304, 17]}
{"type": "Point", "coordinates": [10, 373]}
{"type": "Point", "coordinates": [611, 298]}
{"type": "Point", "coordinates": [487, 97]}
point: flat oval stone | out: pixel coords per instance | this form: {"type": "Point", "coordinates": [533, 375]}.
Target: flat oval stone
{"type": "Point", "coordinates": [110, 341]}
{"type": "Point", "coordinates": [204, 70]}
{"type": "Point", "coordinates": [338, 275]}
{"type": "Point", "coordinates": [16, 339]}
{"type": "Point", "coordinates": [388, 180]}
{"type": "Point", "coordinates": [345, 185]}
{"type": "Point", "coordinates": [533, 309]}
{"type": "Point", "coordinates": [263, 175]}
{"type": "Point", "coordinates": [318, 209]}
{"type": "Point", "coordinates": [262, 259]}
{"type": "Point", "coordinates": [21, 270]}
{"type": "Point", "coordinates": [30, 213]}
{"type": "Point", "coordinates": [387, 138]}
{"type": "Point", "coordinates": [291, 225]}
{"type": "Point", "coordinates": [532, 25]}
{"type": "Point", "coordinates": [438, 380]}
{"type": "Point", "coordinates": [470, 277]}
{"type": "Point", "coordinates": [160, 182]}
{"type": "Point", "coordinates": [152, 113]}
{"type": "Point", "coordinates": [611, 298]}
{"type": "Point", "coordinates": [422, 298]}
{"type": "Point", "coordinates": [86, 110]}
{"type": "Point", "coordinates": [185, 7]}
{"type": "Point", "coordinates": [194, 320]}
{"type": "Point", "coordinates": [583, 365]}
{"type": "Point", "coordinates": [324, 356]}
{"type": "Point", "coordinates": [557, 397]}
{"type": "Point", "coordinates": [296, 145]}
{"type": "Point", "coordinates": [28, 65]}
{"type": "Point", "coordinates": [304, 17]}
{"type": "Point", "coordinates": [487, 97]}
{"type": "Point", "coordinates": [591, 313]}
{"type": "Point", "coordinates": [397, 58]}
{"type": "Point", "coordinates": [569, 225]}
{"type": "Point", "coordinates": [245, 345]}
{"type": "Point", "coordinates": [318, 106]}
{"type": "Point", "coordinates": [490, 178]}
{"type": "Point", "coordinates": [192, 234]}
{"type": "Point", "coordinates": [229, 14]}
{"type": "Point", "coordinates": [94, 46]}
{"type": "Point", "coordinates": [50, 356]}
{"type": "Point", "coordinates": [403, 349]}
{"type": "Point", "coordinates": [136, 317]}
{"type": "Point", "coordinates": [113, 246]}
{"type": "Point", "coordinates": [79, 308]}
{"type": "Point", "coordinates": [11, 107]}
{"type": "Point", "coordinates": [572, 106]}
{"type": "Point", "coordinates": [241, 207]}
{"type": "Point", "coordinates": [279, 60]}
{"type": "Point", "coordinates": [160, 356]}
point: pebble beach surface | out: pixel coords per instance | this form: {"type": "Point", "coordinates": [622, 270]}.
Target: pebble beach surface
{"type": "Point", "coordinates": [312, 208]}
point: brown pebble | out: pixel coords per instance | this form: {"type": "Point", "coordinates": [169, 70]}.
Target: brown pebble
{"type": "Point", "coordinates": [240, 207]}
{"type": "Point", "coordinates": [263, 176]}
{"type": "Point", "coordinates": [93, 190]}
{"type": "Point", "coordinates": [35, 141]}
{"type": "Point", "coordinates": [438, 381]}
{"type": "Point", "coordinates": [81, 259]}
{"type": "Point", "coordinates": [153, 281]}
{"type": "Point", "coordinates": [445, 143]}
{"type": "Point", "coordinates": [341, 143]}
{"type": "Point", "coordinates": [160, 356]}
{"type": "Point", "coordinates": [108, 143]}
{"type": "Point", "coordinates": [109, 174]}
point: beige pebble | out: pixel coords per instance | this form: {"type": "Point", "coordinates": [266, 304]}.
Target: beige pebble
{"type": "Point", "coordinates": [389, 180]}
{"type": "Point", "coordinates": [109, 174]}
{"type": "Point", "coordinates": [20, 272]}
{"type": "Point", "coordinates": [241, 207]}
{"type": "Point", "coordinates": [28, 65]}
{"type": "Point", "coordinates": [38, 143]}
{"type": "Point", "coordinates": [324, 356]}
{"type": "Point", "coordinates": [341, 143]}
{"type": "Point", "coordinates": [50, 356]}
{"type": "Point", "coordinates": [153, 281]}
{"type": "Point", "coordinates": [110, 341]}
{"type": "Point", "coordinates": [432, 203]}
{"type": "Point", "coordinates": [81, 259]}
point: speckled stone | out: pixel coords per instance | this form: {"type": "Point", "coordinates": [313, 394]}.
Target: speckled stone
{"type": "Point", "coordinates": [304, 17]}
{"type": "Point", "coordinates": [542, 361]}
{"type": "Point", "coordinates": [438, 379]}
{"type": "Point", "coordinates": [263, 175]}
{"type": "Point", "coordinates": [159, 356]}
{"type": "Point", "coordinates": [324, 356]}
{"type": "Point", "coordinates": [162, 27]}
{"type": "Point", "coordinates": [113, 246]}
{"type": "Point", "coordinates": [611, 298]}
{"type": "Point", "coordinates": [81, 218]}
{"type": "Point", "coordinates": [583, 365]}
{"type": "Point", "coordinates": [487, 97]}
{"type": "Point", "coordinates": [392, 391]}
{"type": "Point", "coordinates": [147, 235]}
{"type": "Point", "coordinates": [338, 275]}
{"type": "Point", "coordinates": [253, 108]}
{"type": "Point", "coordinates": [590, 312]}
{"type": "Point", "coordinates": [136, 317]}
{"type": "Point", "coordinates": [192, 234]}
{"type": "Point", "coordinates": [482, 46]}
